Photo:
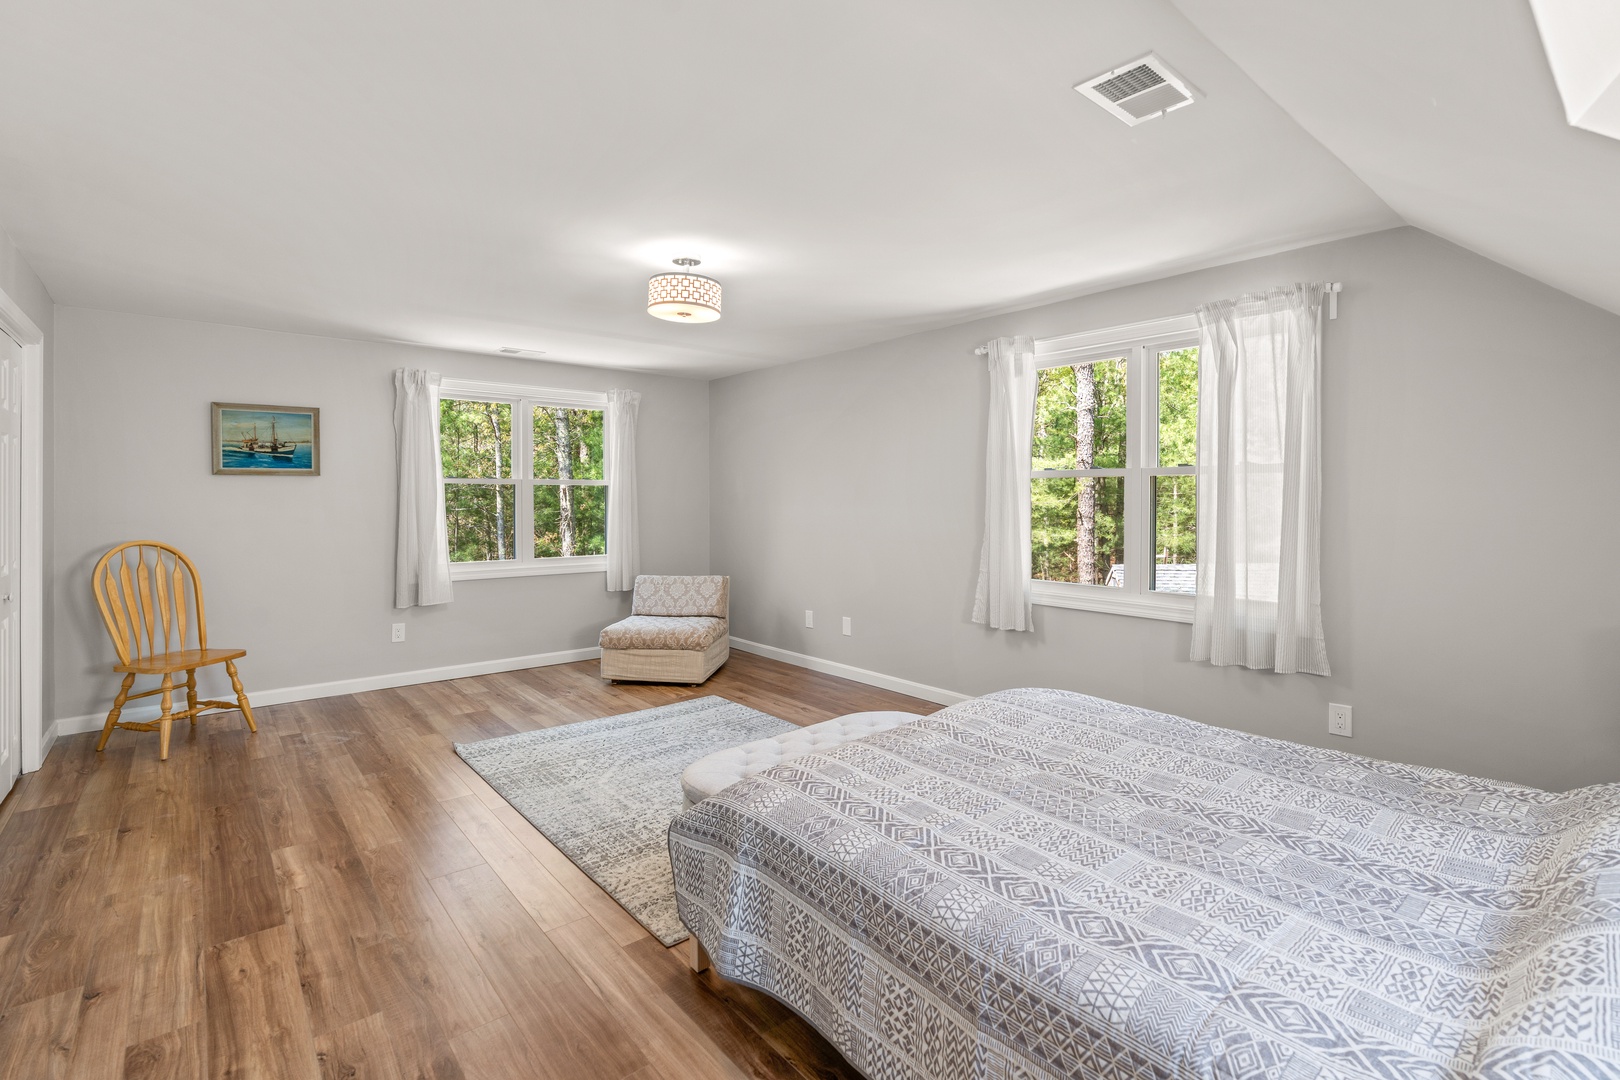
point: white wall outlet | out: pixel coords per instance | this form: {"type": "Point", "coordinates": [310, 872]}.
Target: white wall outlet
{"type": "Point", "coordinates": [809, 619]}
{"type": "Point", "coordinates": [399, 631]}
{"type": "Point", "coordinates": [1339, 720]}
{"type": "Point", "coordinates": [847, 630]}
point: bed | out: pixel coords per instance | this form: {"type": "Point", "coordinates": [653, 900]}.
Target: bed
{"type": "Point", "coordinates": [1043, 884]}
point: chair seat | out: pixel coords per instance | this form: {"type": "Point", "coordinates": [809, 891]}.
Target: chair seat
{"type": "Point", "coordinates": [183, 660]}
{"type": "Point", "coordinates": [663, 632]}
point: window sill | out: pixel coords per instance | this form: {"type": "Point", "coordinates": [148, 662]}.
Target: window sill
{"type": "Point", "coordinates": [1171, 607]}
{"type": "Point", "coordinates": [577, 564]}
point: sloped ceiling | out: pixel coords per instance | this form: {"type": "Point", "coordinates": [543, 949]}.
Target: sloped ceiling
{"type": "Point", "coordinates": [1449, 111]}
{"type": "Point", "coordinates": [509, 172]}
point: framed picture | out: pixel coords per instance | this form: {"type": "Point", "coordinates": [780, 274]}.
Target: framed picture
{"type": "Point", "coordinates": [266, 440]}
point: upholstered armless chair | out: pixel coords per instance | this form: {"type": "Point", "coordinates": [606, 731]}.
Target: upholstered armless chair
{"type": "Point", "coordinates": [679, 631]}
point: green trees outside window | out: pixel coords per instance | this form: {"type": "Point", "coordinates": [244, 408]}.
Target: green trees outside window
{"type": "Point", "coordinates": [1077, 526]}
{"type": "Point", "coordinates": [569, 519]}
{"type": "Point", "coordinates": [1081, 470]}
{"type": "Point", "coordinates": [475, 443]}
{"type": "Point", "coordinates": [1175, 496]}
{"type": "Point", "coordinates": [501, 482]}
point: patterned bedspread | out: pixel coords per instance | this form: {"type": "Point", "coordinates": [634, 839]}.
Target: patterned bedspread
{"type": "Point", "coordinates": [1042, 884]}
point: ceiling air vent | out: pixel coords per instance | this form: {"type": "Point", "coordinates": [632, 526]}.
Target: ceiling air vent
{"type": "Point", "coordinates": [1138, 91]}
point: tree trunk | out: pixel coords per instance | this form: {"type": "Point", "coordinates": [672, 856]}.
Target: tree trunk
{"type": "Point", "coordinates": [565, 493]}
{"type": "Point", "coordinates": [1085, 451]}
{"type": "Point", "coordinates": [494, 415]}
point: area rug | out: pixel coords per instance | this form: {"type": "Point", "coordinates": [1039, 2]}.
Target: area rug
{"type": "Point", "coordinates": [604, 791]}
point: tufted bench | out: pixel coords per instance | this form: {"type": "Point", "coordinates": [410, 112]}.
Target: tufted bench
{"type": "Point", "coordinates": [720, 770]}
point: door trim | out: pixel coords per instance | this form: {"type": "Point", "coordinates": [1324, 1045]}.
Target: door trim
{"type": "Point", "coordinates": [31, 605]}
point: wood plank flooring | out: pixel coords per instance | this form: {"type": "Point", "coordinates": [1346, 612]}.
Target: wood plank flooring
{"type": "Point", "coordinates": [340, 896]}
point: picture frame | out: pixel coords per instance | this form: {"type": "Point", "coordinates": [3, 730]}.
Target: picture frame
{"type": "Point", "coordinates": [265, 440]}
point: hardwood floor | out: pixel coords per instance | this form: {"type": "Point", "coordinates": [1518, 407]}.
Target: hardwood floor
{"type": "Point", "coordinates": [340, 896]}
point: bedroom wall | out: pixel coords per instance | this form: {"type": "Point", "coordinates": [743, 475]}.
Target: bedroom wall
{"type": "Point", "coordinates": [1470, 449]}
{"type": "Point", "coordinates": [299, 570]}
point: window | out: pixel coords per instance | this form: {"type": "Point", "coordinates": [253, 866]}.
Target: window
{"type": "Point", "coordinates": [1113, 484]}
{"type": "Point", "coordinates": [525, 489]}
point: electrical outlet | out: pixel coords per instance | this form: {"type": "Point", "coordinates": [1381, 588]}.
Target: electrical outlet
{"type": "Point", "coordinates": [847, 630]}
{"type": "Point", "coordinates": [809, 619]}
{"type": "Point", "coordinates": [399, 631]}
{"type": "Point", "coordinates": [1339, 720]}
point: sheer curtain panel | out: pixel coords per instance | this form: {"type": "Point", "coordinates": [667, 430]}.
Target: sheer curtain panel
{"type": "Point", "coordinates": [422, 552]}
{"type": "Point", "coordinates": [623, 537]}
{"type": "Point", "coordinates": [1002, 599]}
{"type": "Point", "coordinates": [1259, 602]}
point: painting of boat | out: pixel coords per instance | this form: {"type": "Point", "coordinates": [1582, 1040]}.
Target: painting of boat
{"type": "Point", "coordinates": [266, 440]}
{"type": "Point", "coordinates": [272, 447]}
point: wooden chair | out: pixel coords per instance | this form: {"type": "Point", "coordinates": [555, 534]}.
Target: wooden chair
{"type": "Point", "coordinates": [141, 588]}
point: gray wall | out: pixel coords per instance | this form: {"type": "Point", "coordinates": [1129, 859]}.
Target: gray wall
{"type": "Point", "coordinates": [299, 570]}
{"type": "Point", "coordinates": [1470, 583]}
{"type": "Point", "coordinates": [22, 285]}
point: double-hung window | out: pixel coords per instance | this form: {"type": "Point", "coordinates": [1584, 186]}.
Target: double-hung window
{"type": "Point", "coordinates": [1113, 485]}
{"type": "Point", "coordinates": [525, 489]}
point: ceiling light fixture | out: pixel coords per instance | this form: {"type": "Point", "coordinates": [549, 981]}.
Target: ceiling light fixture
{"type": "Point", "coordinates": [683, 296]}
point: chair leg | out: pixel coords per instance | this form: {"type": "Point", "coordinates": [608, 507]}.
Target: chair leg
{"type": "Point", "coordinates": [241, 695]}
{"type": "Point", "coordinates": [165, 721]}
{"type": "Point", "coordinates": [191, 694]}
{"type": "Point", "coordinates": [118, 707]}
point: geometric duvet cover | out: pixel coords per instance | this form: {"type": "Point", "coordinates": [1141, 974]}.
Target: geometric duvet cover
{"type": "Point", "coordinates": [1042, 884]}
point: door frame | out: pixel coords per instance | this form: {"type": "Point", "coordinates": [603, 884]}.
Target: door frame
{"type": "Point", "coordinates": [31, 471]}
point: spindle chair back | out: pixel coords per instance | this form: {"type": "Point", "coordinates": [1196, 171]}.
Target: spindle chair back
{"type": "Point", "coordinates": [151, 601]}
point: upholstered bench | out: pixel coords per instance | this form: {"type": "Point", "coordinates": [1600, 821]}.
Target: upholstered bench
{"type": "Point", "coordinates": [723, 768]}
{"type": "Point", "coordinates": [679, 631]}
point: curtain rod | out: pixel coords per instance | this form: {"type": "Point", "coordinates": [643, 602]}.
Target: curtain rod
{"type": "Point", "coordinates": [1331, 288]}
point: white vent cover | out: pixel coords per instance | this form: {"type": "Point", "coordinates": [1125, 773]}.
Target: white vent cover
{"type": "Point", "coordinates": [1139, 90]}
{"type": "Point", "coordinates": [509, 350]}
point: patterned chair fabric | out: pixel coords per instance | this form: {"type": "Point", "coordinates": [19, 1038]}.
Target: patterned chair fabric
{"type": "Point", "coordinates": [678, 596]}
{"type": "Point", "coordinates": [663, 632]}
{"type": "Point", "coordinates": [1044, 885]}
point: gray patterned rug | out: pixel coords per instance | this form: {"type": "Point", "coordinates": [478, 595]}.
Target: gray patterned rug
{"type": "Point", "coordinates": [604, 791]}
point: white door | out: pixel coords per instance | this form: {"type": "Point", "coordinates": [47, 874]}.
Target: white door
{"type": "Point", "coordinates": [11, 387]}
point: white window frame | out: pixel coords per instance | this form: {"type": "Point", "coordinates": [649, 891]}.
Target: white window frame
{"type": "Point", "coordinates": [524, 399]}
{"type": "Point", "coordinates": [1140, 344]}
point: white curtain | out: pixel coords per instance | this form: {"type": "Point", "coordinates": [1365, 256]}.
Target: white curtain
{"type": "Point", "coordinates": [623, 537]}
{"type": "Point", "coordinates": [422, 553]}
{"type": "Point", "coordinates": [1002, 598]}
{"type": "Point", "coordinates": [1259, 602]}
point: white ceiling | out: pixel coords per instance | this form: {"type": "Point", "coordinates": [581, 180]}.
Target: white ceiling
{"type": "Point", "coordinates": [509, 172]}
{"type": "Point", "coordinates": [1448, 110]}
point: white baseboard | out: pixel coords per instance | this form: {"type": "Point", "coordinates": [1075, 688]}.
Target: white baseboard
{"type": "Point", "coordinates": [49, 740]}
{"type": "Point", "coordinates": [74, 725]}
{"type": "Point", "coordinates": [855, 674]}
